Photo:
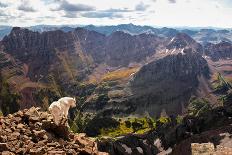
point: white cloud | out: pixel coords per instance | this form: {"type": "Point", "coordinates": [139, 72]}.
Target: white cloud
{"type": "Point", "coordinates": [216, 13]}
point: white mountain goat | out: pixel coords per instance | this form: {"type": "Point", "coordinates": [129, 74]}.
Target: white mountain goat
{"type": "Point", "coordinates": [59, 109]}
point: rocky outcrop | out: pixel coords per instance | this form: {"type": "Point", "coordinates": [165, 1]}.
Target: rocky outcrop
{"type": "Point", "coordinates": [167, 84]}
{"type": "Point", "coordinates": [32, 131]}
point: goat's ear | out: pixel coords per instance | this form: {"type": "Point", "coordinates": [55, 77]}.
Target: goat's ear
{"type": "Point", "coordinates": [74, 98]}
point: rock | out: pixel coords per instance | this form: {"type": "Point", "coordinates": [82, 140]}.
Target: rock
{"type": "Point", "coordinates": [20, 126]}
{"type": "Point", "coordinates": [19, 114]}
{"type": "Point", "coordinates": [3, 138]}
{"type": "Point", "coordinates": [56, 153]}
{"type": "Point", "coordinates": [17, 119]}
{"type": "Point", "coordinates": [14, 135]}
{"type": "Point", "coordinates": [43, 115]}
{"type": "Point", "coordinates": [34, 119]}
{"type": "Point", "coordinates": [51, 144]}
{"type": "Point", "coordinates": [7, 153]}
{"type": "Point", "coordinates": [204, 148]}
{"type": "Point", "coordinates": [36, 151]}
{"type": "Point", "coordinates": [20, 151]}
{"type": "Point", "coordinates": [3, 147]}
{"type": "Point", "coordinates": [40, 134]}
{"type": "Point", "coordinates": [8, 130]}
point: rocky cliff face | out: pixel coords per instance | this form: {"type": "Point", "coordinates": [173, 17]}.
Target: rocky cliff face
{"type": "Point", "coordinates": [123, 48]}
{"type": "Point", "coordinates": [40, 52]}
{"type": "Point", "coordinates": [167, 84]}
{"type": "Point", "coordinates": [32, 131]}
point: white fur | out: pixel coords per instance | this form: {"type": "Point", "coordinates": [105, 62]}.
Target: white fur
{"type": "Point", "coordinates": [59, 109]}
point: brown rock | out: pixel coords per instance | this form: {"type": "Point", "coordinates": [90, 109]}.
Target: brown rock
{"type": "Point", "coordinates": [19, 114]}
{"type": "Point", "coordinates": [43, 115]}
{"type": "Point", "coordinates": [17, 119]}
{"type": "Point", "coordinates": [52, 144]}
{"type": "Point", "coordinates": [56, 153]}
{"type": "Point", "coordinates": [20, 126]}
{"type": "Point", "coordinates": [21, 151]}
{"type": "Point", "coordinates": [36, 151]}
{"type": "Point", "coordinates": [3, 147]}
{"type": "Point", "coordinates": [10, 116]}
{"type": "Point", "coordinates": [7, 153]}
{"type": "Point", "coordinates": [39, 134]}
{"type": "Point", "coordinates": [3, 138]}
{"type": "Point", "coordinates": [70, 151]}
{"type": "Point", "coordinates": [34, 119]}
{"type": "Point", "coordinates": [8, 130]}
{"type": "Point", "coordinates": [14, 136]}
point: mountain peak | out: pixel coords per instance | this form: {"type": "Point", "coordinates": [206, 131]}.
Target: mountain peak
{"type": "Point", "coordinates": [184, 41]}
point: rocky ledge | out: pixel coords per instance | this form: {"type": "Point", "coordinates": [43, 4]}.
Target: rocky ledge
{"type": "Point", "coordinates": [32, 131]}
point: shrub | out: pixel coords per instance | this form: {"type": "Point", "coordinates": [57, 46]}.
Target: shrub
{"type": "Point", "coordinates": [198, 106]}
{"type": "Point", "coordinates": [128, 124]}
{"type": "Point", "coordinates": [136, 126]}
{"type": "Point", "coordinates": [8, 100]}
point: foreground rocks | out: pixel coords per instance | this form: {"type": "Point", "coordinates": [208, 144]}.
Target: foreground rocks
{"type": "Point", "coordinates": [213, 127]}
{"type": "Point", "coordinates": [33, 132]}
{"type": "Point", "coordinates": [209, 149]}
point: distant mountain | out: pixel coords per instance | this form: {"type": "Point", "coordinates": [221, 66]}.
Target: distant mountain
{"type": "Point", "coordinates": [127, 28]}
{"type": "Point", "coordinates": [4, 30]}
{"type": "Point", "coordinates": [133, 29]}
{"type": "Point", "coordinates": [213, 36]}
{"type": "Point", "coordinates": [44, 28]}
{"type": "Point", "coordinates": [200, 35]}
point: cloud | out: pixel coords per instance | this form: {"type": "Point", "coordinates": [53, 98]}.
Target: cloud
{"type": "Point", "coordinates": [172, 1]}
{"type": "Point", "coordinates": [25, 6]}
{"type": "Point", "coordinates": [3, 5]}
{"type": "Point", "coordinates": [141, 7]}
{"type": "Point", "coordinates": [101, 14]}
{"type": "Point", "coordinates": [70, 15]}
{"type": "Point", "coordinates": [68, 7]}
{"type": "Point", "coordinates": [109, 13]}
{"type": "Point", "coordinates": [118, 10]}
{"type": "Point", "coordinates": [2, 14]}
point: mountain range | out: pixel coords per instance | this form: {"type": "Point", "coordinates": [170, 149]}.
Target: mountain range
{"type": "Point", "coordinates": [118, 73]}
{"type": "Point", "coordinates": [202, 35]}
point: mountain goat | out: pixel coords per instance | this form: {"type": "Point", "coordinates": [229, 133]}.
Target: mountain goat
{"type": "Point", "coordinates": [59, 109]}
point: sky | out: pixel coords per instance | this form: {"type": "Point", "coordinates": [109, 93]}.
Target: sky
{"type": "Point", "coordinates": [170, 13]}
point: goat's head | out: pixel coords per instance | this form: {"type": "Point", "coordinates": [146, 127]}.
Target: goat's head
{"type": "Point", "coordinates": [73, 102]}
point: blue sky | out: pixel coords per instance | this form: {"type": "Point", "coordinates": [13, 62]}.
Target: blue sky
{"type": "Point", "coordinates": [194, 13]}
